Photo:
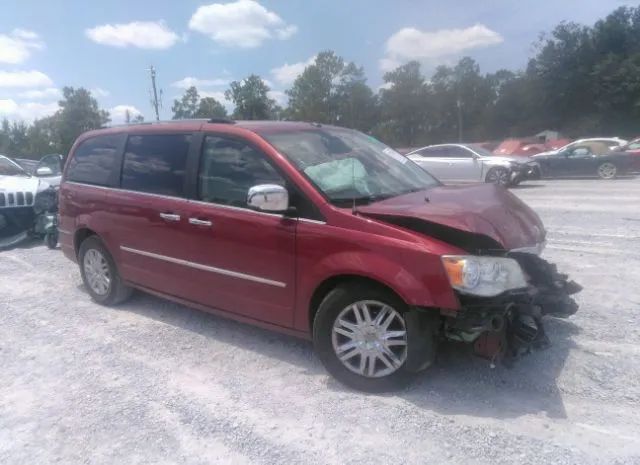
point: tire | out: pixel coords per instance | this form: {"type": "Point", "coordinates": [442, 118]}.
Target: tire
{"type": "Point", "coordinates": [111, 291]}
{"type": "Point", "coordinates": [51, 239]}
{"type": "Point", "coordinates": [499, 176]}
{"type": "Point", "coordinates": [607, 170]}
{"type": "Point", "coordinates": [338, 306]}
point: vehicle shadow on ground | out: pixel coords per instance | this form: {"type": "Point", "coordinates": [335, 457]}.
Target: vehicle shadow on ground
{"type": "Point", "coordinates": [459, 383]}
{"type": "Point", "coordinates": [526, 186]}
{"type": "Point", "coordinates": [462, 384]}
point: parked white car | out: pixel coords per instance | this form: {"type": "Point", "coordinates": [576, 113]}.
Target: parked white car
{"type": "Point", "coordinates": [18, 192]}
{"type": "Point", "coordinates": [471, 163]}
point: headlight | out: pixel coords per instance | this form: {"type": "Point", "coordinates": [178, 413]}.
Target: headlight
{"type": "Point", "coordinates": [483, 276]}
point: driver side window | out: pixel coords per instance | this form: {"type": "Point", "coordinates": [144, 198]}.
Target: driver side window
{"type": "Point", "coordinates": [579, 152]}
{"type": "Point", "coordinates": [229, 168]}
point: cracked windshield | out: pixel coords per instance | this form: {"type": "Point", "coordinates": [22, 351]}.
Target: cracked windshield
{"type": "Point", "coordinates": [321, 232]}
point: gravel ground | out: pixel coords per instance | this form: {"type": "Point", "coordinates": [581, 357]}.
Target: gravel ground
{"type": "Point", "coordinates": [155, 382]}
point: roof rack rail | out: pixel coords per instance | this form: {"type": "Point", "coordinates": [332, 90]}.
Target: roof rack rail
{"type": "Point", "coordinates": [147, 123]}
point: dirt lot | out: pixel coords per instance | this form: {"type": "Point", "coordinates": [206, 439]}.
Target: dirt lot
{"type": "Point", "coordinates": [154, 382]}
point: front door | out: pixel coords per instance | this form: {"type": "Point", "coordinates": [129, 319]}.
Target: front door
{"type": "Point", "coordinates": [462, 165]}
{"type": "Point", "coordinates": [245, 258]}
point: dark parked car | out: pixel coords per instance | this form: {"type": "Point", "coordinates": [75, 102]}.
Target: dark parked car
{"type": "Point", "coordinates": [316, 231]}
{"type": "Point", "coordinates": [584, 161]}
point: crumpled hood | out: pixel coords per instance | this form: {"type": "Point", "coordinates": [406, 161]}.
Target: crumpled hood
{"type": "Point", "coordinates": [18, 184]}
{"type": "Point", "coordinates": [483, 209]}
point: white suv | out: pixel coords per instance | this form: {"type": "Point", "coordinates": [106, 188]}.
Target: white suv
{"type": "Point", "coordinates": [18, 191]}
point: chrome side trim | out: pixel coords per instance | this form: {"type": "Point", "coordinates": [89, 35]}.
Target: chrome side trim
{"type": "Point", "coordinates": [199, 266]}
{"type": "Point", "coordinates": [64, 231]}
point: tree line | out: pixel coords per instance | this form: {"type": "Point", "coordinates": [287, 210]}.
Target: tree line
{"type": "Point", "coordinates": [581, 80]}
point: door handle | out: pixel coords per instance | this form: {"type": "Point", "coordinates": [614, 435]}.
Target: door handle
{"type": "Point", "coordinates": [198, 222]}
{"type": "Point", "coordinates": [170, 216]}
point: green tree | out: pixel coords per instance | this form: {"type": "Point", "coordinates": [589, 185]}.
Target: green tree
{"type": "Point", "coordinates": [404, 106]}
{"type": "Point", "coordinates": [355, 104]}
{"type": "Point", "coordinates": [78, 113]}
{"type": "Point", "coordinates": [209, 107]}
{"type": "Point", "coordinates": [251, 100]}
{"type": "Point", "coordinates": [42, 137]}
{"type": "Point", "coordinates": [187, 106]}
{"type": "Point", "coordinates": [312, 97]}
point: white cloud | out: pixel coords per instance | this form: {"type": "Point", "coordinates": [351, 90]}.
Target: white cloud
{"type": "Point", "coordinates": [279, 96]}
{"type": "Point", "coordinates": [142, 34]}
{"type": "Point", "coordinates": [17, 46]}
{"type": "Point", "coordinates": [189, 81]}
{"type": "Point", "coordinates": [99, 92]}
{"type": "Point", "coordinates": [26, 111]}
{"type": "Point", "coordinates": [119, 113]}
{"type": "Point", "coordinates": [288, 73]}
{"type": "Point", "coordinates": [385, 86]}
{"type": "Point", "coordinates": [37, 94]}
{"type": "Point", "coordinates": [412, 44]}
{"type": "Point", "coordinates": [244, 24]}
{"type": "Point", "coordinates": [28, 79]}
{"type": "Point", "coordinates": [286, 32]}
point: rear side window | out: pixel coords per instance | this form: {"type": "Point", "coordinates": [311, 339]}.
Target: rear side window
{"type": "Point", "coordinates": [94, 160]}
{"type": "Point", "coordinates": [229, 168]}
{"type": "Point", "coordinates": [156, 164]}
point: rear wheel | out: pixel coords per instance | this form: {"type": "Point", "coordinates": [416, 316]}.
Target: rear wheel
{"type": "Point", "coordinates": [99, 273]}
{"type": "Point", "coordinates": [360, 334]}
{"type": "Point", "coordinates": [607, 170]}
{"type": "Point", "coordinates": [499, 176]}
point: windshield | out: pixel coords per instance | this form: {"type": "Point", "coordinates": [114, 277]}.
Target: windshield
{"type": "Point", "coordinates": [349, 166]}
{"type": "Point", "coordinates": [10, 168]}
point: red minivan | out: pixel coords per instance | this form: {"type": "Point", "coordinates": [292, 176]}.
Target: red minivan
{"type": "Point", "coordinates": [312, 230]}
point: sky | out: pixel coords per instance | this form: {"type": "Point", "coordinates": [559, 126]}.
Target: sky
{"type": "Point", "coordinates": [108, 46]}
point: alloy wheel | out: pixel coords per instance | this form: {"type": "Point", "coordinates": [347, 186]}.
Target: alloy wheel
{"type": "Point", "coordinates": [370, 338]}
{"type": "Point", "coordinates": [607, 171]}
{"type": "Point", "coordinates": [96, 270]}
{"type": "Point", "coordinates": [499, 176]}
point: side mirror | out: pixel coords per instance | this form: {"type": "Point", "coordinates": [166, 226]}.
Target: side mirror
{"type": "Point", "coordinates": [44, 171]}
{"type": "Point", "coordinates": [268, 198]}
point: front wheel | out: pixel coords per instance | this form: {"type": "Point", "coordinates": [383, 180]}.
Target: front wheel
{"type": "Point", "coordinates": [499, 176]}
{"type": "Point", "coordinates": [607, 170]}
{"type": "Point", "coordinates": [361, 337]}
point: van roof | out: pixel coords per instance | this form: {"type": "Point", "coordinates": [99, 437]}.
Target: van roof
{"type": "Point", "coordinates": [257, 126]}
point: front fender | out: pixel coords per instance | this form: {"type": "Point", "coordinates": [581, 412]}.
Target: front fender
{"type": "Point", "coordinates": [418, 281]}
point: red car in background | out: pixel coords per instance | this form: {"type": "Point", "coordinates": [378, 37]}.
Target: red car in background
{"type": "Point", "coordinates": [527, 147]}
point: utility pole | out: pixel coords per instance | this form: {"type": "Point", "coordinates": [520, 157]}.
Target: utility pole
{"type": "Point", "coordinates": [459, 105]}
{"type": "Point", "coordinates": [156, 102]}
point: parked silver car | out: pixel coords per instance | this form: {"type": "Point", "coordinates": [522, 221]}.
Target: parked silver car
{"type": "Point", "coordinates": [472, 163]}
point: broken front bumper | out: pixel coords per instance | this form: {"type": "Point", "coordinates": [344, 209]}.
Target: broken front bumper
{"type": "Point", "coordinates": [509, 325]}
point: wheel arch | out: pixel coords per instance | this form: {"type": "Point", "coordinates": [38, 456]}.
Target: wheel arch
{"type": "Point", "coordinates": [79, 237]}
{"type": "Point", "coordinates": [330, 283]}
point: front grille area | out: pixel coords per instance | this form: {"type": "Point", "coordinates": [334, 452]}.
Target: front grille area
{"type": "Point", "coordinates": [16, 199]}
